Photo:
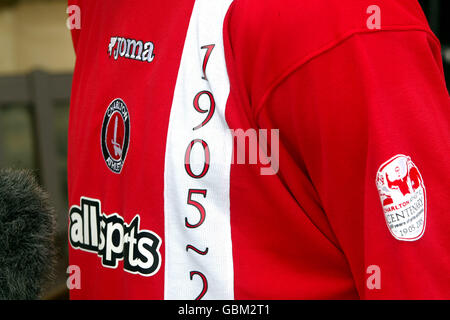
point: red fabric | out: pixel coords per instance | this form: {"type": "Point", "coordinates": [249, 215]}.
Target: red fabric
{"type": "Point", "coordinates": [374, 104]}
{"type": "Point", "coordinates": [345, 100]}
{"type": "Point", "coordinates": [98, 80]}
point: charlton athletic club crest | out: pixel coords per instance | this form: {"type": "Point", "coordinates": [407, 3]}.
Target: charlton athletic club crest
{"type": "Point", "coordinates": [115, 135]}
{"type": "Point", "coordinates": [403, 197]}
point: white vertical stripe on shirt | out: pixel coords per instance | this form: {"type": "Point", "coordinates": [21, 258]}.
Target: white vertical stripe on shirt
{"type": "Point", "coordinates": [205, 28]}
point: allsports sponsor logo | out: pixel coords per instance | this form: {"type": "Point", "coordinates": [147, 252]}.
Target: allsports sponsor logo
{"type": "Point", "coordinates": [112, 239]}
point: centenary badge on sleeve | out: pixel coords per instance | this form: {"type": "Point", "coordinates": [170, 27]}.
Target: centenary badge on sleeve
{"type": "Point", "coordinates": [403, 197]}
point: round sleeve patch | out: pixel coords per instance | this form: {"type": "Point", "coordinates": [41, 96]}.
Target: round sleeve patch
{"type": "Point", "coordinates": [403, 197]}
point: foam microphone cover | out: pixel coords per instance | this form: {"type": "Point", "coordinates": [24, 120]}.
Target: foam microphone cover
{"type": "Point", "coordinates": [27, 227]}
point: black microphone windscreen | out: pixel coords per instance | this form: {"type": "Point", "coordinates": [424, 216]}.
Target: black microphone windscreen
{"type": "Point", "coordinates": [27, 229]}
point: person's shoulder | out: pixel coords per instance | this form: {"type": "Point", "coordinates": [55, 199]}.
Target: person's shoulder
{"type": "Point", "coordinates": [270, 37]}
{"type": "Point", "coordinates": [320, 21]}
{"type": "Point", "coordinates": [292, 23]}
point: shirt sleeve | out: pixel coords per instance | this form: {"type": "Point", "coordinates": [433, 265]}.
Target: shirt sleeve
{"type": "Point", "coordinates": [368, 121]}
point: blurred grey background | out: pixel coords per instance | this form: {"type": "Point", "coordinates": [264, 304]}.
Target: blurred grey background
{"type": "Point", "coordinates": [36, 63]}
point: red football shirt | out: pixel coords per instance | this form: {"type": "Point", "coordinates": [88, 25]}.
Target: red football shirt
{"type": "Point", "coordinates": [258, 150]}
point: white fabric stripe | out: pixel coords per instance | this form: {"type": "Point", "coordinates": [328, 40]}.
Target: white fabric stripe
{"type": "Point", "coordinates": [205, 28]}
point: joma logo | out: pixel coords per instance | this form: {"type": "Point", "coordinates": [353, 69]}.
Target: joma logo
{"type": "Point", "coordinates": [131, 49]}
